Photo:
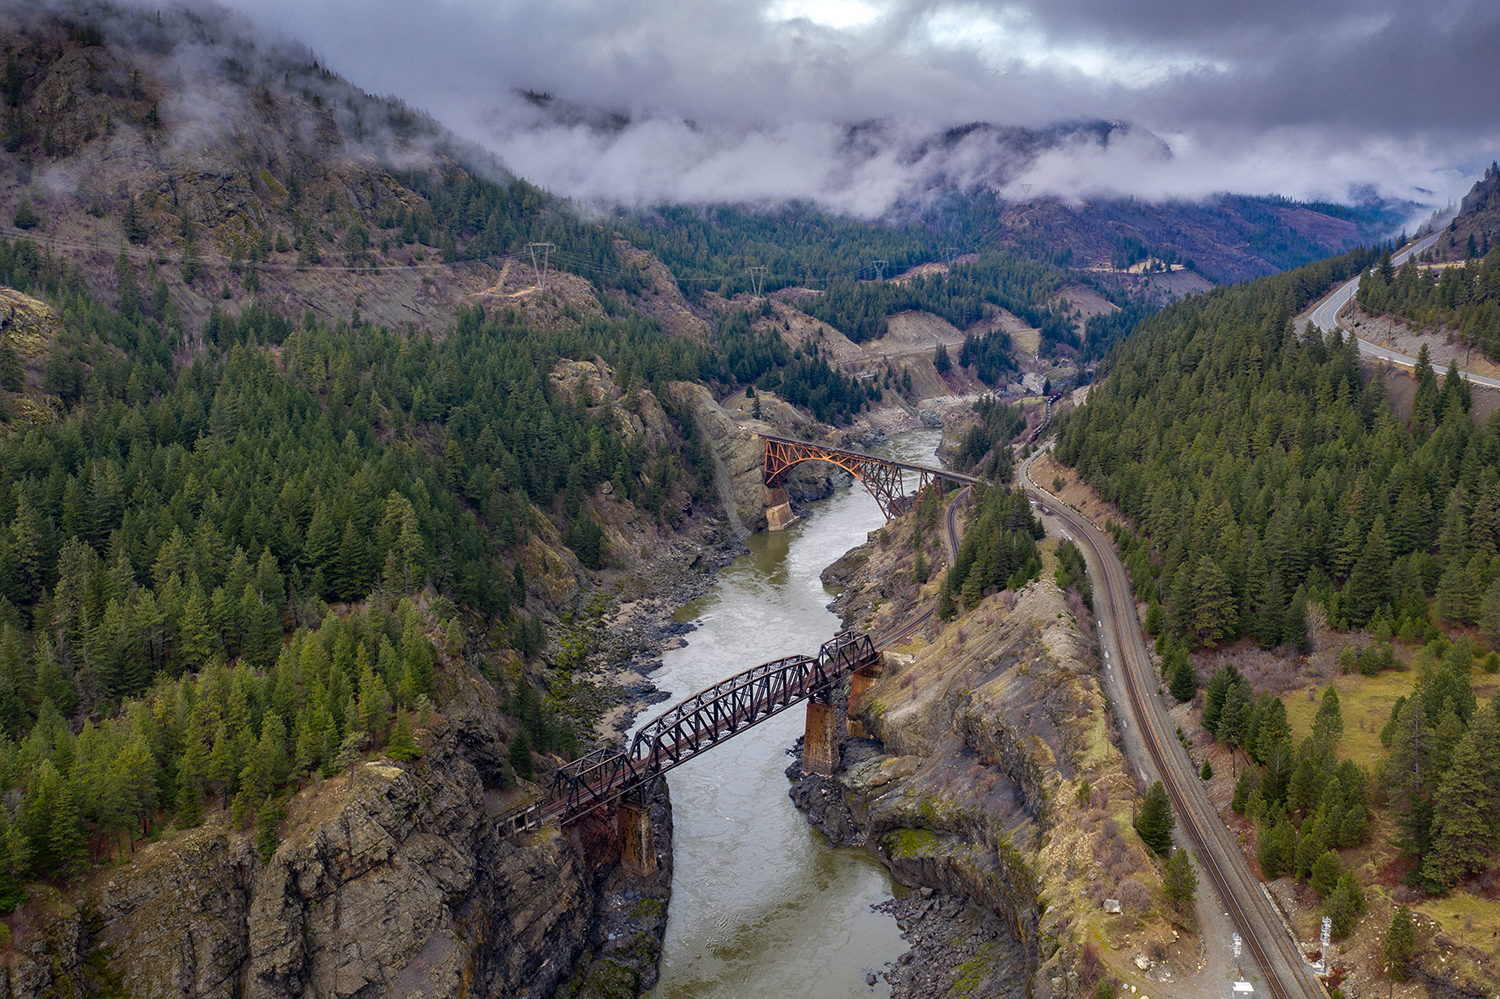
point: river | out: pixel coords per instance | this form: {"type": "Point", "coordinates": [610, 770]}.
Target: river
{"type": "Point", "coordinates": [761, 905]}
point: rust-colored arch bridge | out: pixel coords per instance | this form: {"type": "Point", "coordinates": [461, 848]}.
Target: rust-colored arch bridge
{"type": "Point", "coordinates": [884, 478]}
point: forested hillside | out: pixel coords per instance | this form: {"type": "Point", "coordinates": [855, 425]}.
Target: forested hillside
{"type": "Point", "coordinates": [1274, 491]}
{"type": "Point", "coordinates": [181, 507]}
{"type": "Point", "coordinates": [1464, 298]}
{"type": "Point", "coordinates": [1005, 280]}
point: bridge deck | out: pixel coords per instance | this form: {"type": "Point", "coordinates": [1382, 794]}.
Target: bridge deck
{"type": "Point", "coordinates": [698, 723]}
{"type": "Point", "coordinates": [940, 473]}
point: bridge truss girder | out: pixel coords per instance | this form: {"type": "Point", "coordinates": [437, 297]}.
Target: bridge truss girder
{"type": "Point", "coordinates": [702, 721]}
{"type": "Point", "coordinates": [883, 478]}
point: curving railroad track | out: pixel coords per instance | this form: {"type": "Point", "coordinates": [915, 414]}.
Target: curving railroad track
{"type": "Point", "coordinates": [1287, 975]}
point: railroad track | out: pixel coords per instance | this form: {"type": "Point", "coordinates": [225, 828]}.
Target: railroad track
{"type": "Point", "coordinates": [1280, 960]}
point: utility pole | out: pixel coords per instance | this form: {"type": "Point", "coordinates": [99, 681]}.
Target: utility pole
{"type": "Point", "coordinates": [949, 252]}
{"type": "Point", "coordinates": [1026, 191]}
{"type": "Point", "coordinates": [879, 266]}
{"type": "Point", "coordinates": [540, 267]}
{"type": "Point", "coordinates": [757, 275]}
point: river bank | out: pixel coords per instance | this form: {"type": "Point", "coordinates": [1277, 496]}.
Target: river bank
{"type": "Point", "coordinates": [993, 777]}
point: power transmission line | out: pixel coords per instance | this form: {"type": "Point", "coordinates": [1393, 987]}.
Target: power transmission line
{"type": "Point", "coordinates": [541, 270]}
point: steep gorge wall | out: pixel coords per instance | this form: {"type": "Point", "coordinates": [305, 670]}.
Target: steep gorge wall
{"type": "Point", "coordinates": [402, 885]}
{"type": "Point", "coordinates": [982, 739]}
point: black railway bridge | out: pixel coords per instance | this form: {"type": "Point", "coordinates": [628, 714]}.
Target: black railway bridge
{"type": "Point", "coordinates": [884, 478]}
{"type": "Point", "coordinates": [695, 725]}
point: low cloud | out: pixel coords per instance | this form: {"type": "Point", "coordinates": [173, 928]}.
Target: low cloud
{"type": "Point", "coordinates": [847, 102]}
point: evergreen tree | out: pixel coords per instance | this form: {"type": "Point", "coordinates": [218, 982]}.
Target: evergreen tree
{"type": "Point", "coordinates": [349, 580]}
{"type": "Point", "coordinates": [25, 217]}
{"type": "Point", "coordinates": [1369, 581]}
{"type": "Point", "coordinates": [1179, 881]}
{"type": "Point", "coordinates": [520, 755]}
{"type": "Point", "coordinates": [1328, 724]}
{"type": "Point", "coordinates": [1408, 774]}
{"type": "Point", "coordinates": [1326, 871]}
{"type": "Point", "coordinates": [947, 610]}
{"type": "Point", "coordinates": [1344, 906]}
{"type": "Point", "coordinates": [1464, 808]}
{"type": "Point", "coordinates": [131, 221]}
{"type": "Point", "coordinates": [1184, 680]}
{"type": "Point", "coordinates": [1400, 941]}
{"type": "Point", "coordinates": [403, 746]}
{"type": "Point", "coordinates": [267, 819]}
{"type": "Point", "coordinates": [1213, 605]}
{"type": "Point", "coordinates": [12, 375]}
{"type": "Point", "coordinates": [1154, 820]}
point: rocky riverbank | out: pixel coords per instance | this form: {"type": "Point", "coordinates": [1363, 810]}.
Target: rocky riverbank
{"type": "Point", "coordinates": [991, 776]}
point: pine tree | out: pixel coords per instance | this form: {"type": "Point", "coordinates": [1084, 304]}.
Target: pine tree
{"type": "Point", "coordinates": [1184, 681]}
{"type": "Point", "coordinates": [1155, 820]}
{"type": "Point", "coordinates": [12, 375]}
{"type": "Point", "coordinates": [947, 610]}
{"type": "Point", "coordinates": [1214, 613]}
{"type": "Point", "coordinates": [403, 746]}
{"type": "Point", "coordinates": [267, 819]}
{"type": "Point", "coordinates": [1179, 883]}
{"type": "Point", "coordinates": [1328, 724]}
{"type": "Point", "coordinates": [1326, 871]}
{"type": "Point", "coordinates": [1408, 771]}
{"type": "Point", "coordinates": [25, 217]}
{"type": "Point", "coordinates": [223, 763]}
{"type": "Point", "coordinates": [349, 580]}
{"type": "Point", "coordinates": [1462, 809]}
{"type": "Point", "coordinates": [135, 227]}
{"type": "Point", "coordinates": [1400, 941]}
{"type": "Point", "coordinates": [1369, 581]}
{"type": "Point", "coordinates": [1344, 906]}
{"type": "Point", "coordinates": [65, 834]}
{"type": "Point", "coordinates": [520, 755]}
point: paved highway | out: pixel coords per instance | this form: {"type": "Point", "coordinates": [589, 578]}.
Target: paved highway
{"type": "Point", "coordinates": [1326, 316]}
{"type": "Point", "coordinates": [1270, 944]}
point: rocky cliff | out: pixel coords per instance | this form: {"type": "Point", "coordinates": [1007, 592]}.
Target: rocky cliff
{"type": "Point", "coordinates": [992, 772]}
{"type": "Point", "coordinates": [397, 880]}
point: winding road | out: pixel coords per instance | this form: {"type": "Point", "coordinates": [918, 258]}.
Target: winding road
{"type": "Point", "coordinates": [1287, 975]}
{"type": "Point", "coordinates": [1326, 316]}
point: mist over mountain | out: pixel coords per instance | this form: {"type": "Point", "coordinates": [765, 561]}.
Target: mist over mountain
{"type": "Point", "coordinates": [841, 101]}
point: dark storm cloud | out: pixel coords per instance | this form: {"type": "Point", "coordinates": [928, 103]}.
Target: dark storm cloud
{"type": "Point", "coordinates": [712, 100]}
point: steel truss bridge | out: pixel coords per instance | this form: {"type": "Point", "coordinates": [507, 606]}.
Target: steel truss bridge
{"type": "Point", "coordinates": [700, 722]}
{"type": "Point", "coordinates": [883, 477]}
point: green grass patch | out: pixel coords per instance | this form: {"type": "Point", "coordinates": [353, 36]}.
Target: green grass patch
{"type": "Point", "coordinates": [909, 843]}
{"type": "Point", "coordinates": [1361, 698]}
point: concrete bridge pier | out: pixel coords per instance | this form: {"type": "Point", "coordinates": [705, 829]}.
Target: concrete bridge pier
{"type": "Point", "coordinates": [779, 515]}
{"type": "Point", "coordinates": [637, 846]}
{"type": "Point", "coordinates": [820, 743]}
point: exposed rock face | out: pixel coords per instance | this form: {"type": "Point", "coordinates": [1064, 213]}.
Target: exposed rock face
{"type": "Point", "coordinates": [982, 740]}
{"type": "Point", "coordinates": [400, 886]}
{"type": "Point", "coordinates": [739, 458]}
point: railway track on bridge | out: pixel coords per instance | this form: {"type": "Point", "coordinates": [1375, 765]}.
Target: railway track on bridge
{"type": "Point", "coordinates": [700, 722]}
{"type": "Point", "coordinates": [1269, 941]}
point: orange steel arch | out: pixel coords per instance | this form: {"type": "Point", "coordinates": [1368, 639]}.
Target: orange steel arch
{"type": "Point", "coordinates": [881, 476]}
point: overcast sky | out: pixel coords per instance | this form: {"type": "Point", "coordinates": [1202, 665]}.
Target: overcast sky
{"type": "Point", "coordinates": [754, 99]}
